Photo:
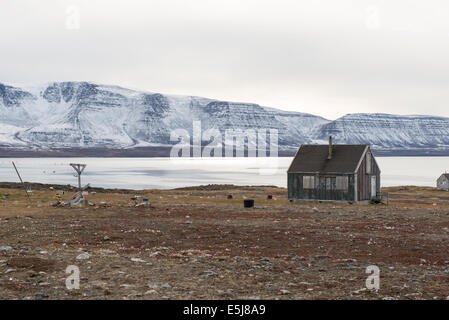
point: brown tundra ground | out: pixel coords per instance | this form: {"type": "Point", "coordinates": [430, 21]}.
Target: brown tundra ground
{"type": "Point", "coordinates": [194, 243]}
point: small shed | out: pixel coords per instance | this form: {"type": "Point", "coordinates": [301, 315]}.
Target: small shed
{"type": "Point", "coordinates": [443, 182]}
{"type": "Point", "coordinates": [337, 173]}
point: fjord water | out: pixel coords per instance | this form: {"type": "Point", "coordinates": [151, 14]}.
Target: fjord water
{"type": "Point", "coordinates": [166, 173]}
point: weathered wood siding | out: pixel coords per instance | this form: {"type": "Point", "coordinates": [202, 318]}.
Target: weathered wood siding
{"type": "Point", "coordinates": [364, 179]}
{"type": "Point", "coordinates": [325, 187]}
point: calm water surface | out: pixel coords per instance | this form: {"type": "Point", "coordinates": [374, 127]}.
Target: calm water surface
{"type": "Point", "coordinates": [164, 173]}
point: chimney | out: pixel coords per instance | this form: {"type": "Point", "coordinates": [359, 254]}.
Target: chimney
{"type": "Point", "coordinates": [330, 148]}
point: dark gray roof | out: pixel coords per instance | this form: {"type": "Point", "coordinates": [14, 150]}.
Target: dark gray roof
{"type": "Point", "coordinates": [313, 158]}
{"type": "Point", "coordinates": [446, 175]}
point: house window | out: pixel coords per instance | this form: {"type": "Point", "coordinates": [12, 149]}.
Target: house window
{"type": "Point", "coordinates": [308, 182]}
{"type": "Point", "coordinates": [368, 162]}
{"type": "Point", "coordinates": [342, 183]}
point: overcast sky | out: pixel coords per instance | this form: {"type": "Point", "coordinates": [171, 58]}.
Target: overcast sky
{"type": "Point", "coordinates": [329, 57]}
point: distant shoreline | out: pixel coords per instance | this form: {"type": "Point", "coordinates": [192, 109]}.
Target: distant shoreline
{"type": "Point", "coordinates": [72, 188]}
{"type": "Point", "coordinates": [164, 152]}
{"type": "Point", "coordinates": [205, 187]}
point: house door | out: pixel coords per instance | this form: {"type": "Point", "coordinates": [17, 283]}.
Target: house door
{"type": "Point", "coordinates": [373, 187]}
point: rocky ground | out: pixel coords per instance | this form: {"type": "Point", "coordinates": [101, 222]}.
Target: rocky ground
{"type": "Point", "coordinates": [195, 243]}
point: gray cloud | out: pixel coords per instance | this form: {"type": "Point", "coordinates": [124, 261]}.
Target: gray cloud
{"type": "Point", "coordinates": [324, 57]}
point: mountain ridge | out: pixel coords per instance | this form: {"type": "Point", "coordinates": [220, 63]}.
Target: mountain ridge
{"type": "Point", "coordinates": [85, 115]}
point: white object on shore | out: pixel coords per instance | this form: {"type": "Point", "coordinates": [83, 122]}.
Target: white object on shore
{"type": "Point", "coordinates": [83, 256]}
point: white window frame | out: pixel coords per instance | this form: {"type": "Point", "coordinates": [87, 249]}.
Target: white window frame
{"type": "Point", "coordinates": [308, 182]}
{"type": "Point", "coordinates": [342, 183]}
{"type": "Point", "coordinates": [368, 162]}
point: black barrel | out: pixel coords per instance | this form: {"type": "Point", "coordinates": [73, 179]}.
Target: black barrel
{"type": "Point", "coordinates": [248, 203]}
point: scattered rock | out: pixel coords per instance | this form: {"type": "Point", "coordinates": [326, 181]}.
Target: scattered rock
{"type": "Point", "coordinates": [5, 248]}
{"type": "Point", "coordinates": [358, 291]}
{"type": "Point", "coordinates": [158, 285]}
{"type": "Point", "coordinates": [320, 257]}
{"type": "Point", "coordinates": [83, 256]}
{"type": "Point", "coordinates": [152, 291]}
{"type": "Point", "coordinates": [208, 273]}
{"type": "Point", "coordinates": [44, 284]}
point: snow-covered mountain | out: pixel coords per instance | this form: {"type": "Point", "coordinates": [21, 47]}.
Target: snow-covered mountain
{"type": "Point", "coordinates": [82, 114]}
{"type": "Point", "coordinates": [389, 132]}
{"type": "Point", "coordinates": [86, 115]}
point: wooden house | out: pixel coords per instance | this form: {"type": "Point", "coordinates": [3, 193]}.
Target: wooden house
{"type": "Point", "coordinates": [443, 182]}
{"type": "Point", "coordinates": [338, 173]}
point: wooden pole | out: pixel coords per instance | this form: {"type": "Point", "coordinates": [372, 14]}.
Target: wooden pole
{"type": "Point", "coordinates": [21, 181]}
{"type": "Point", "coordinates": [79, 168]}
